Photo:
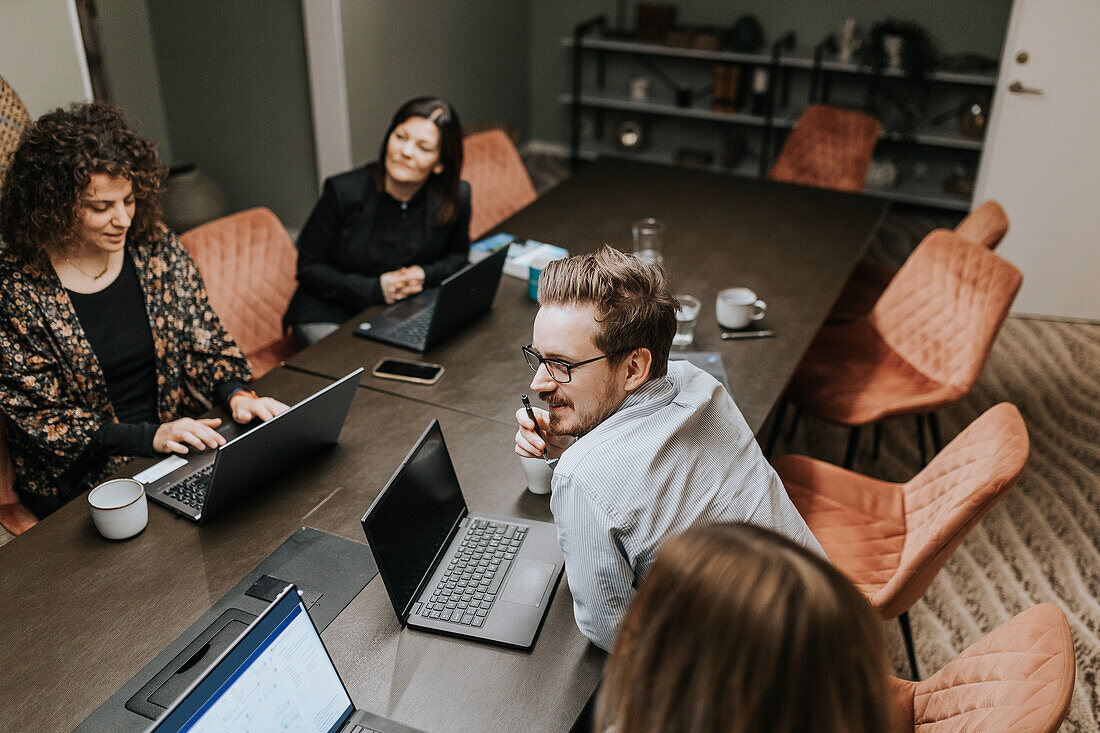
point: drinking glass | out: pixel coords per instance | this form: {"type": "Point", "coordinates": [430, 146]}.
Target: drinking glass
{"type": "Point", "coordinates": [687, 315]}
{"type": "Point", "coordinates": [648, 234]}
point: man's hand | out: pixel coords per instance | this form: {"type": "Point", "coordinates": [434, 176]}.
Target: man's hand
{"type": "Point", "coordinates": [528, 442]}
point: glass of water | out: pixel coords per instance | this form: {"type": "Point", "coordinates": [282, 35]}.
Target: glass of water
{"type": "Point", "coordinates": [648, 234]}
{"type": "Point", "coordinates": [687, 315]}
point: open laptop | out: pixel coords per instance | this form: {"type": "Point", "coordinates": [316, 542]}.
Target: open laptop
{"type": "Point", "coordinates": [201, 485]}
{"type": "Point", "coordinates": [277, 675]}
{"type": "Point", "coordinates": [449, 571]}
{"type": "Point", "coordinates": [427, 318]}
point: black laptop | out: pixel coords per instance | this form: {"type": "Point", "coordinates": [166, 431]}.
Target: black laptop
{"type": "Point", "coordinates": [427, 318]}
{"type": "Point", "coordinates": [202, 485]}
{"type": "Point", "coordinates": [276, 676]}
{"type": "Point", "coordinates": [450, 571]}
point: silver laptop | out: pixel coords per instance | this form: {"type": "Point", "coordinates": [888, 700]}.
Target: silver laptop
{"type": "Point", "coordinates": [276, 676]}
{"type": "Point", "coordinates": [202, 485]}
{"type": "Point", "coordinates": [450, 571]}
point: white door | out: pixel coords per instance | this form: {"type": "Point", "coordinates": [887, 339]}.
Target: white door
{"type": "Point", "coordinates": [1042, 155]}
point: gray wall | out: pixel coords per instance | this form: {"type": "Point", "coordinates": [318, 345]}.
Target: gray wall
{"type": "Point", "coordinates": [41, 54]}
{"type": "Point", "coordinates": [130, 63]}
{"type": "Point", "coordinates": [473, 53]}
{"type": "Point", "coordinates": [236, 97]}
{"type": "Point", "coordinates": [976, 26]}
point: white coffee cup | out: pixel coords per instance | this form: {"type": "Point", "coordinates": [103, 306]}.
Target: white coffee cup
{"type": "Point", "coordinates": [538, 473]}
{"type": "Point", "coordinates": [738, 307]}
{"type": "Point", "coordinates": [119, 508]}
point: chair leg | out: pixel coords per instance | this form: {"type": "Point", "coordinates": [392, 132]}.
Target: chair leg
{"type": "Point", "coordinates": [853, 443]}
{"type": "Point", "coordinates": [877, 437]}
{"type": "Point", "coordinates": [934, 429]}
{"type": "Point", "coordinates": [773, 434]}
{"type": "Point", "coordinates": [920, 440]}
{"type": "Point", "coordinates": [907, 633]}
{"type": "Point", "coordinates": [794, 424]}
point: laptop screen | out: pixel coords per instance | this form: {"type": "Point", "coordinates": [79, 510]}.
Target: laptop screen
{"type": "Point", "coordinates": [410, 523]}
{"type": "Point", "coordinates": [277, 676]}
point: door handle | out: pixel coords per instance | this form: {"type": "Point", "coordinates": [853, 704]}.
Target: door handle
{"type": "Point", "coordinates": [1017, 87]}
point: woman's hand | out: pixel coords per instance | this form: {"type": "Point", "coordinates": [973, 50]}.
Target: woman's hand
{"type": "Point", "coordinates": [400, 284]}
{"type": "Point", "coordinates": [246, 407]}
{"type": "Point", "coordinates": [180, 436]}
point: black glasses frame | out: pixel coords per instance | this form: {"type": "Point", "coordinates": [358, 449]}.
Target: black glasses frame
{"type": "Point", "coordinates": [529, 353]}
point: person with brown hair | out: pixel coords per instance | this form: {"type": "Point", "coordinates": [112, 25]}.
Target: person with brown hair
{"type": "Point", "coordinates": [738, 629]}
{"type": "Point", "coordinates": [107, 340]}
{"type": "Point", "coordinates": [642, 448]}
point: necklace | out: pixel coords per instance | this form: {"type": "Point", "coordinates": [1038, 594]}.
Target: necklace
{"type": "Point", "coordinates": [85, 273]}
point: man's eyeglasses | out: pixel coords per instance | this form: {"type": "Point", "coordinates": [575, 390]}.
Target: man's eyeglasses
{"type": "Point", "coordinates": [560, 371]}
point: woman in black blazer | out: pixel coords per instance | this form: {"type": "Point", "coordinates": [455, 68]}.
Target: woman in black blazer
{"type": "Point", "coordinates": [385, 231]}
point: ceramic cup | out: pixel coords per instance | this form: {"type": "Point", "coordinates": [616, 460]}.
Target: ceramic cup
{"type": "Point", "coordinates": [119, 508]}
{"type": "Point", "coordinates": [538, 473]}
{"type": "Point", "coordinates": [534, 270]}
{"type": "Point", "coordinates": [738, 307]}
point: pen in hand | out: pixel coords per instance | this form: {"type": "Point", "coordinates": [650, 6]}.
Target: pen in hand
{"type": "Point", "coordinates": [531, 414]}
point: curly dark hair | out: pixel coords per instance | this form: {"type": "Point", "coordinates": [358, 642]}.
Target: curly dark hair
{"type": "Point", "coordinates": [48, 173]}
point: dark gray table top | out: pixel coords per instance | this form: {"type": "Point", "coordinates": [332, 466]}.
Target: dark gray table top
{"type": "Point", "coordinates": [81, 614]}
{"type": "Point", "coordinates": [794, 246]}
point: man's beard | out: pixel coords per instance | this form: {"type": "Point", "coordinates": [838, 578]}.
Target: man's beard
{"type": "Point", "coordinates": [583, 422]}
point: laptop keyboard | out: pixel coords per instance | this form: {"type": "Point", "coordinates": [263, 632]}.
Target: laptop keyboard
{"type": "Point", "coordinates": [472, 580]}
{"type": "Point", "coordinates": [192, 490]}
{"type": "Point", "coordinates": [356, 728]}
{"type": "Point", "coordinates": [415, 329]}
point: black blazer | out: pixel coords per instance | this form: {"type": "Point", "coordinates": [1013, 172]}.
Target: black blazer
{"type": "Point", "coordinates": [338, 269]}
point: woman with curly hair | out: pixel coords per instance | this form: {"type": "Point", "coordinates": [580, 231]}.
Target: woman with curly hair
{"type": "Point", "coordinates": [107, 340]}
{"type": "Point", "coordinates": [385, 231]}
{"type": "Point", "coordinates": [739, 629]}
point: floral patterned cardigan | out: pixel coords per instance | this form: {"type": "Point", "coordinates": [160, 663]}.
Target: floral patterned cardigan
{"type": "Point", "coordinates": [52, 390]}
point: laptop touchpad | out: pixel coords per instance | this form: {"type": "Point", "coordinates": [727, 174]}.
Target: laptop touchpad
{"type": "Point", "coordinates": [527, 582]}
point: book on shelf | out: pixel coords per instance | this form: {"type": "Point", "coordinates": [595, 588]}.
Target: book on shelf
{"type": "Point", "coordinates": [520, 254]}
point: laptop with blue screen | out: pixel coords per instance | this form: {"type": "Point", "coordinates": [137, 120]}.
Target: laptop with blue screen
{"type": "Point", "coordinates": [276, 676]}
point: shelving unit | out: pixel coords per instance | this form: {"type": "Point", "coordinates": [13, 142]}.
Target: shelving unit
{"type": "Point", "coordinates": [934, 149]}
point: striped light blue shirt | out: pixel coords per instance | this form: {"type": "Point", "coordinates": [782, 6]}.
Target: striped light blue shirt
{"type": "Point", "coordinates": [677, 452]}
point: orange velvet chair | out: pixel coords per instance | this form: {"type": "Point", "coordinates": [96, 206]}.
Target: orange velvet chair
{"type": "Point", "coordinates": [14, 517]}
{"type": "Point", "coordinates": [1018, 678]}
{"type": "Point", "coordinates": [986, 225]}
{"type": "Point", "coordinates": [249, 266]}
{"type": "Point", "coordinates": [829, 147]}
{"type": "Point", "coordinates": [921, 348]}
{"type": "Point", "coordinates": [498, 179]}
{"type": "Point", "coordinates": [892, 539]}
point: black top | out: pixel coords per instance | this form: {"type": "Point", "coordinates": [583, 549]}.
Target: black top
{"type": "Point", "coordinates": [356, 233]}
{"type": "Point", "coordinates": [117, 328]}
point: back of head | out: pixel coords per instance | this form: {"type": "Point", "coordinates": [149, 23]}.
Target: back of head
{"type": "Point", "coordinates": [737, 628]}
{"type": "Point", "coordinates": [634, 304]}
{"type": "Point", "coordinates": [50, 170]}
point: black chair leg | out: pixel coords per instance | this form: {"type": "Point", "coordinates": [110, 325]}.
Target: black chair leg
{"type": "Point", "coordinates": [934, 429]}
{"type": "Point", "coordinates": [773, 434]}
{"type": "Point", "coordinates": [920, 440]}
{"type": "Point", "coordinates": [907, 634]}
{"type": "Point", "coordinates": [877, 438]}
{"type": "Point", "coordinates": [853, 443]}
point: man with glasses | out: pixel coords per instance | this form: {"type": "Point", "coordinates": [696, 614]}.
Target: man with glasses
{"type": "Point", "coordinates": [642, 449]}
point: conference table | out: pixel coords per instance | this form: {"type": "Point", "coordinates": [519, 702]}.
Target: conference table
{"type": "Point", "coordinates": [81, 615]}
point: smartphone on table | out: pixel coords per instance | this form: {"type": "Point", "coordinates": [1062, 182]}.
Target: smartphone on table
{"type": "Point", "coordinates": [406, 370]}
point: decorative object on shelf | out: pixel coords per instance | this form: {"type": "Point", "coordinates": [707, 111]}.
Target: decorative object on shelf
{"type": "Point", "coordinates": [630, 136]}
{"type": "Point", "coordinates": [851, 38]}
{"type": "Point", "coordinates": [916, 54]}
{"type": "Point", "coordinates": [703, 38]}
{"type": "Point", "coordinates": [758, 101]}
{"type": "Point", "coordinates": [654, 21]}
{"type": "Point", "coordinates": [974, 115]}
{"type": "Point", "coordinates": [892, 45]}
{"type": "Point", "coordinates": [881, 175]}
{"type": "Point", "coordinates": [960, 183]}
{"type": "Point", "coordinates": [639, 89]}
{"type": "Point", "coordinates": [692, 158]}
{"type": "Point", "coordinates": [745, 35]}
{"type": "Point", "coordinates": [915, 57]}
{"type": "Point", "coordinates": [191, 198]}
{"type": "Point", "coordinates": [726, 94]}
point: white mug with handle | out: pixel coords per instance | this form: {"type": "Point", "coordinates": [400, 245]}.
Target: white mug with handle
{"type": "Point", "coordinates": [738, 307]}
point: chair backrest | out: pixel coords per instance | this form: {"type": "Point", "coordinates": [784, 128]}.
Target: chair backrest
{"type": "Point", "coordinates": [13, 119]}
{"type": "Point", "coordinates": [498, 179]}
{"type": "Point", "coordinates": [987, 224]}
{"type": "Point", "coordinates": [950, 496]}
{"type": "Point", "coordinates": [944, 308]}
{"type": "Point", "coordinates": [1018, 678]}
{"type": "Point", "coordinates": [249, 266]}
{"type": "Point", "coordinates": [829, 147]}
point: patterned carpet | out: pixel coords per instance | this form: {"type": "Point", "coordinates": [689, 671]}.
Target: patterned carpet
{"type": "Point", "coordinates": [1042, 542]}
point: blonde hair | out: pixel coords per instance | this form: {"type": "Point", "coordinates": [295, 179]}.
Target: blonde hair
{"type": "Point", "coordinates": [635, 307]}
{"type": "Point", "coordinates": [739, 629]}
